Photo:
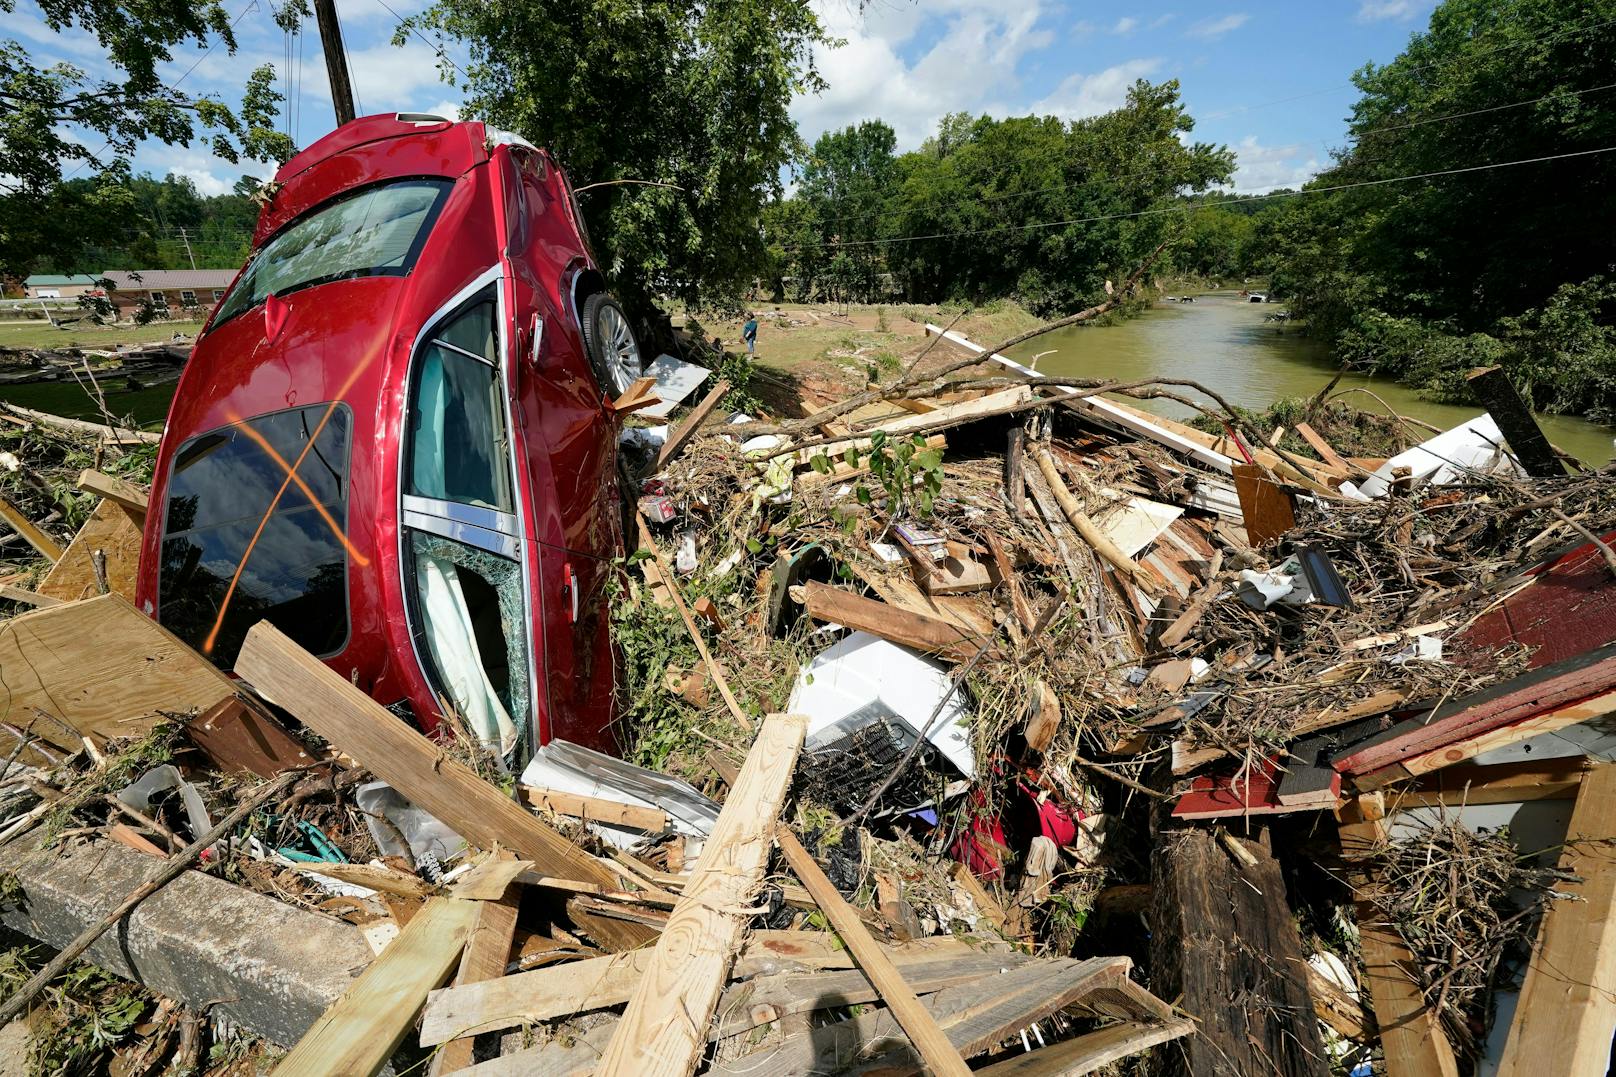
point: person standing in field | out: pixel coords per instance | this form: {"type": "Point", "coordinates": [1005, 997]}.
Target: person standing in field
{"type": "Point", "coordinates": [749, 333]}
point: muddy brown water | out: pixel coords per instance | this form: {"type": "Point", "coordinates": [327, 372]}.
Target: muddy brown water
{"type": "Point", "coordinates": [1223, 342]}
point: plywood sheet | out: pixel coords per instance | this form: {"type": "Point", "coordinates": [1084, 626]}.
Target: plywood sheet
{"type": "Point", "coordinates": [110, 530]}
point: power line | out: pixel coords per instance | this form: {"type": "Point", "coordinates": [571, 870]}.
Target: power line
{"type": "Point", "coordinates": [438, 48]}
{"type": "Point", "coordinates": [1193, 208]}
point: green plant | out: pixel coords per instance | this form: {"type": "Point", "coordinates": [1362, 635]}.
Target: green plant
{"type": "Point", "coordinates": [737, 368]}
{"type": "Point", "coordinates": [881, 320]}
{"type": "Point", "coordinates": [86, 1014]}
{"type": "Point", "coordinates": [904, 470]}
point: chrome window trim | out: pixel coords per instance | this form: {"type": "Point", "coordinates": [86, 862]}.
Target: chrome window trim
{"type": "Point", "coordinates": [474, 515]}
{"type": "Point", "coordinates": [446, 346]}
{"type": "Point", "coordinates": [470, 534]}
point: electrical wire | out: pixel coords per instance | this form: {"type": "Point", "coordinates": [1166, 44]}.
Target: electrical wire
{"type": "Point", "coordinates": [438, 48]}
{"type": "Point", "coordinates": [1161, 210]}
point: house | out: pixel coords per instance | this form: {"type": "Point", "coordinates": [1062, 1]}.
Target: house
{"type": "Point", "coordinates": [59, 286]}
{"type": "Point", "coordinates": [170, 290]}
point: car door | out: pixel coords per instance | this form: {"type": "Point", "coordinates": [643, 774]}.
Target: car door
{"type": "Point", "coordinates": [463, 549]}
{"type": "Point", "coordinates": [569, 448]}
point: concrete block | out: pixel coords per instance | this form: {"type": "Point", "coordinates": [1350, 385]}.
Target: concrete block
{"type": "Point", "coordinates": [200, 940]}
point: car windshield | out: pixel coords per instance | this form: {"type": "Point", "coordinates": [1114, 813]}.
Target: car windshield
{"type": "Point", "coordinates": [376, 232]}
{"type": "Point", "coordinates": [256, 529]}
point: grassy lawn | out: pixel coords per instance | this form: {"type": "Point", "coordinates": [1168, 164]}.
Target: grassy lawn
{"type": "Point", "coordinates": [41, 334]}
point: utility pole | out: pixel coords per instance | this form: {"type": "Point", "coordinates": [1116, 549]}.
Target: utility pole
{"type": "Point", "coordinates": [336, 60]}
{"type": "Point", "coordinates": [185, 239]}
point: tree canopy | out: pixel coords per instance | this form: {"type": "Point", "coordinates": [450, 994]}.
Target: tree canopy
{"type": "Point", "coordinates": [691, 95]}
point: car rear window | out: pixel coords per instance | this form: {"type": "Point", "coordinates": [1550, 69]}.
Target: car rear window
{"type": "Point", "coordinates": [255, 528]}
{"type": "Point", "coordinates": [378, 231]}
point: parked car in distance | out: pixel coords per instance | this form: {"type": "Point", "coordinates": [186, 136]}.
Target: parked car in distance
{"type": "Point", "coordinates": [392, 438]}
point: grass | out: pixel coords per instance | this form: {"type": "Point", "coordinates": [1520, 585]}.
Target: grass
{"type": "Point", "coordinates": [41, 334]}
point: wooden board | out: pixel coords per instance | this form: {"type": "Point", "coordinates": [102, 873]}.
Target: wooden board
{"type": "Point", "coordinates": [361, 1030]}
{"type": "Point", "coordinates": [1410, 1035]}
{"type": "Point", "coordinates": [1322, 447]}
{"type": "Point", "coordinates": [290, 677]}
{"type": "Point", "coordinates": [1505, 783]}
{"type": "Point", "coordinates": [680, 435]}
{"type": "Point", "coordinates": [663, 1029]}
{"type": "Point", "coordinates": [927, 634]}
{"type": "Point", "coordinates": [486, 954]}
{"type": "Point", "coordinates": [1090, 1052]}
{"type": "Point", "coordinates": [1268, 511]}
{"type": "Point", "coordinates": [103, 668]}
{"type": "Point", "coordinates": [110, 530]}
{"type": "Point", "coordinates": [1567, 1009]}
{"type": "Point", "coordinates": [578, 806]}
{"type": "Point", "coordinates": [126, 495]}
{"type": "Point", "coordinates": [38, 539]}
{"type": "Point", "coordinates": [238, 739]}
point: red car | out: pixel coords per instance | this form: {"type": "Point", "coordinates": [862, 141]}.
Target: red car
{"type": "Point", "coordinates": [391, 440]}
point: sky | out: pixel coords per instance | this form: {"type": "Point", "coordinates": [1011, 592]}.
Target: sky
{"type": "Point", "coordinates": [1270, 80]}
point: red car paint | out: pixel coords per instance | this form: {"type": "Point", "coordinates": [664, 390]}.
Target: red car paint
{"type": "Point", "coordinates": [354, 340]}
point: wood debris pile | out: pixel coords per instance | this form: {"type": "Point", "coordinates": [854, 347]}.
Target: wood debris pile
{"type": "Point", "coordinates": [994, 725]}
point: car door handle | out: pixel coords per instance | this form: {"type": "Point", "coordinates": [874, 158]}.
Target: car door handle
{"type": "Point", "coordinates": [569, 590]}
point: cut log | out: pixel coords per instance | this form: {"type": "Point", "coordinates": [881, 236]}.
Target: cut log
{"type": "Point", "coordinates": [291, 678]}
{"type": "Point", "coordinates": [1567, 1010]}
{"type": "Point", "coordinates": [362, 1029]}
{"type": "Point", "coordinates": [927, 634]}
{"type": "Point", "coordinates": [1214, 926]}
{"type": "Point", "coordinates": [663, 1031]}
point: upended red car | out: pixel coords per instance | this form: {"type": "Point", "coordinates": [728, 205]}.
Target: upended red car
{"type": "Point", "coordinates": [392, 438]}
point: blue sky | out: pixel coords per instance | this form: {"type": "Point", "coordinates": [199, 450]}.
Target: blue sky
{"type": "Point", "coordinates": [1268, 79]}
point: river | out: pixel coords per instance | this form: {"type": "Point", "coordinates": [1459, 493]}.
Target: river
{"type": "Point", "coordinates": [1222, 341]}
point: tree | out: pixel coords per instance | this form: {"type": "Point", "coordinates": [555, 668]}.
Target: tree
{"type": "Point", "coordinates": [696, 96]}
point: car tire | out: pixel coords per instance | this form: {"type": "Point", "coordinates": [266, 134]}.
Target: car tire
{"type": "Point", "coordinates": [614, 353]}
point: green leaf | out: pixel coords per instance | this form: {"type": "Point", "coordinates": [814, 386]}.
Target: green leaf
{"type": "Point", "coordinates": [754, 546]}
{"type": "Point", "coordinates": [850, 457]}
{"type": "Point", "coordinates": [928, 460]}
{"type": "Point", "coordinates": [878, 440]}
{"type": "Point", "coordinates": [863, 495]}
{"type": "Point", "coordinates": [820, 463]}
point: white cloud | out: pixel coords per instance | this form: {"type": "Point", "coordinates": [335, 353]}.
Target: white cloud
{"type": "Point", "coordinates": [1081, 95]}
{"type": "Point", "coordinates": [207, 184]}
{"type": "Point", "coordinates": [449, 110]}
{"type": "Point", "coordinates": [1377, 10]}
{"type": "Point", "coordinates": [970, 65]}
{"type": "Point", "coordinates": [1083, 28]}
{"type": "Point", "coordinates": [1125, 25]}
{"type": "Point", "coordinates": [1161, 20]}
{"type": "Point", "coordinates": [1261, 168]}
{"type": "Point", "coordinates": [1213, 28]}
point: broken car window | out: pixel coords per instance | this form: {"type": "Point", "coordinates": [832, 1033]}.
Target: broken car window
{"type": "Point", "coordinates": [458, 448]}
{"type": "Point", "coordinates": [376, 232]}
{"type": "Point", "coordinates": [243, 542]}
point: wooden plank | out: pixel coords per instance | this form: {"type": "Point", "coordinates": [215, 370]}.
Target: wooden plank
{"type": "Point", "coordinates": [1567, 1010]}
{"type": "Point", "coordinates": [680, 435]}
{"type": "Point", "coordinates": [109, 530]}
{"type": "Point", "coordinates": [362, 1029]}
{"type": "Point", "coordinates": [939, 1053]}
{"type": "Point", "coordinates": [954, 414]}
{"type": "Point", "coordinates": [27, 598]}
{"type": "Point", "coordinates": [974, 1018]}
{"type": "Point", "coordinates": [383, 880]}
{"type": "Point", "coordinates": [1268, 511]}
{"type": "Point", "coordinates": [598, 982]}
{"type": "Point", "coordinates": [19, 521]}
{"type": "Point", "coordinates": [1090, 1052]}
{"type": "Point", "coordinates": [1337, 1008]}
{"type": "Point", "coordinates": [239, 739]}
{"type": "Point", "coordinates": [1497, 394]}
{"type": "Point", "coordinates": [486, 954]}
{"type": "Point", "coordinates": [290, 677]}
{"type": "Point", "coordinates": [1504, 783]}
{"type": "Point", "coordinates": [1322, 447]}
{"type": "Point", "coordinates": [1552, 721]}
{"type": "Point", "coordinates": [663, 1028]}
{"type": "Point", "coordinates": [652, 820]}
{"type": "Point", "coordinates": [126, 495]}
{"type": "Point", "coordinates": [102, 668]}
{"type": "Point", "coordinates": [1411, 1037]}
{"type": "Point", "coordinates": [928, 634]}
{"type": "Point", "coordinates": [747, 1004]}
{"type": "Point", "coordinates": [1213, 926]}
{"type": "Point", "coordinates": [636, 397]}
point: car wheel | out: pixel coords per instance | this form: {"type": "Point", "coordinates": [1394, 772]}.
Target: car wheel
{"type": "Point", "coordinates": [613, 351]}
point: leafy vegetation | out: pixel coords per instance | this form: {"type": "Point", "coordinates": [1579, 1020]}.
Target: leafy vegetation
{"type": "Point", "coordinates": [87, 1014]}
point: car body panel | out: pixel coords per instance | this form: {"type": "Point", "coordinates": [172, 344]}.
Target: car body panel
{"type": "Point", "coordinates": [354, 341]}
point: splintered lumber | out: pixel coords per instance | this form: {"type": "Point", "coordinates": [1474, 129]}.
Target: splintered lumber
{"type": "Point", "coordinates": [101, 669]}
{"type": "Point", "coordinates": [637, 397]}
{"type": "Point", "coordinates": [110, 530]}
{"type": "Point", "coordinates": [1495, 392]}
{"type": "Point", "coordinates": [680, 435]}
{"type": "Point", "coordinates": [79, 426]}
{"type": "Point", "coordinates": [663, 1029]}
{"type": "Point", "coordinates": [1267, 510]}
{"type": "Point", "coordinates": [1322, 447]}
{"type": "Point", "coordinates": [1411, 1036]}
{"type": "Point", "coordinates": [487, 952]}
{"type": "Point", "coordinates": [291, 678]}
{"type": "Point", "coordinates": [1091, 1051]}
{"type": "Point", "coordinates": [923, 633]}
{"type": "Point", "coordinates": [172, 869]}
{"type": "Point", "coordinates": [19, 521]}
{"type": "Point", "coordinates": [1567, 1010]}
{"type": "Point", "coordinates": [1215, 925]}
{"type": "Point", "coordinates": [940, 1054]}
{"type": "Point", "coordinates": [361, 1030]}
{"type": "Point", "coordinates": [972, 1018]}
{"type": "Point", "coordinates": [1043, 716]}
{"type": "Point", "coordinates": [126, 495]}
{"type": "Point", "coordinates": [652, 820]}
{"type": "Point", "coordinates": [1091, 533]}
{"type": "Point", "coordinates": [955, 414]}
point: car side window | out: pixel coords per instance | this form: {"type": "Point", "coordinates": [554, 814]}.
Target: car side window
{"type": "Point", "coordinates": [459, 449]}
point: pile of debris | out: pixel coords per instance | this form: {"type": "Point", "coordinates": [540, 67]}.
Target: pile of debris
{"type": "Point", "coordinates": [980, 722]}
